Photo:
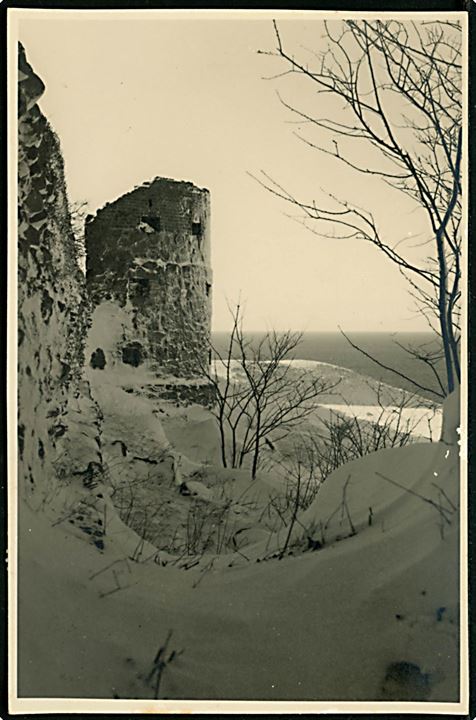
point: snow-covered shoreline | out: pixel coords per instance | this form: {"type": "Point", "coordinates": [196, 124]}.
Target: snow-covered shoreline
{"type": "Point", "coordinates": [420, 422]}
{"type": "Point", "coordinates": [359, 396]}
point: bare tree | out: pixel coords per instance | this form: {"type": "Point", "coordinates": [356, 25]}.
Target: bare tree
{"type": "Point", "coordinates": [260, 397]}
{"type": "Point", "coordinates": [397, 88]}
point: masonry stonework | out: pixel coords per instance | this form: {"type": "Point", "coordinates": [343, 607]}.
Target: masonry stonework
{"type": "Point", "coordinates": [149, 254]}
{"type": "Point", "coordinates": [59, 446]}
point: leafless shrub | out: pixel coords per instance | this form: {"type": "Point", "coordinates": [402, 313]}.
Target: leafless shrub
{"type": "Point", "coordinates": [445, 508]}
{"type": "Point", "coordinates": [348, 438]}
{"type": "Point", "coordinates": [267, 401]}
{"type": "Point", "coordinates": [302, 484]}
{"type": "Point", "coordinates": [208, 528]}
{"type": "Point", "coordinates": [204, 572]}
{"type": "Point", "coordinates": [131, 496]}
{"type": "Point", "coordinates": [161, 662]}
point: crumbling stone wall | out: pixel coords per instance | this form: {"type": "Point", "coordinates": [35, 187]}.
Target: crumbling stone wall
{"type": "Point", "coordinates": [58, 422]}
{"type": "Point", "coordinates": [149, 252]}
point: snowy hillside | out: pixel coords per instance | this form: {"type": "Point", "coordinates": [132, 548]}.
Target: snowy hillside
{"type": "Point", "coordinates": [375, 600]}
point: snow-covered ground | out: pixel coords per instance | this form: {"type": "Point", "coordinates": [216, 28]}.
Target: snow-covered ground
{"type": "Point", "coordinates": [420, 422]}
{"type": "Point", "coordinates": [363, 605]}
{"type": "Point", "coordinates": [373, 616]}
{"type": "Point", "coordinates": [352, 598]}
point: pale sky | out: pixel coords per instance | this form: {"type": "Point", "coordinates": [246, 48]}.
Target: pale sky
{"type": "Point", "coordinates": [132, 99]}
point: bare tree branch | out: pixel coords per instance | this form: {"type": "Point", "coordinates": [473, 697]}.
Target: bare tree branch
{"type": "Point", "coordinates": [418, 146]}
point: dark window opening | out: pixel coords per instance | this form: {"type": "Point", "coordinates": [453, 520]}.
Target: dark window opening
{"type": "Point", "coordinates": [98, 359]}
{"type": "Point", "coordinates": [141, 286]}
{"type": "Point", "coordinates": [197, 228]}
{"type": "Point", "coordinates": [132, 354]}
{"type": "Point", "coordinates": [208, 287]}
{"type": "Point", "coordinates": [153, 221]}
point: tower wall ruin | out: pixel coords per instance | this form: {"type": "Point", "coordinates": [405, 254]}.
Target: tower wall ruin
{"type": "Point", "coordinates": [148, 253]}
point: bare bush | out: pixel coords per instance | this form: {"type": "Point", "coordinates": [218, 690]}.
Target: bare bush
{"type": "Point", "coordinates": [264, 398]}
{"type": "Point", "coordinates": [161, 662]}
{"type": "Point", "coordinates": [348, 438]}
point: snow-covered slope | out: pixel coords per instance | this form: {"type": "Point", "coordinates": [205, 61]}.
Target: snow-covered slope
{"type": "Point", "coordinates": [369, 616]}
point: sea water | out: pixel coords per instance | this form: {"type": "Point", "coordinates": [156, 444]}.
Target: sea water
{"type": "Point", "coordinates": [333, 348]}
{"type": "Point", "coordinates": [327, 353]}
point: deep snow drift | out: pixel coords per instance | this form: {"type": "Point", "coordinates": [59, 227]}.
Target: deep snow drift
{"type": "Point", "coordinates": [365, 607]}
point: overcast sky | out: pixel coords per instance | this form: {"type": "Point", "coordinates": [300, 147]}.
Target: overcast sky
{"type": "Point", "coordinates": [185, 98]}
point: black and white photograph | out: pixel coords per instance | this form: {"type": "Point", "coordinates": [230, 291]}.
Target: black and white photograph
{"type": "Point", "coordinates": [237, 361]}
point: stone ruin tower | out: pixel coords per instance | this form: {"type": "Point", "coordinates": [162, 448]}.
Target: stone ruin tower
{"type": "Point", "coordinates": [148, 265]}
